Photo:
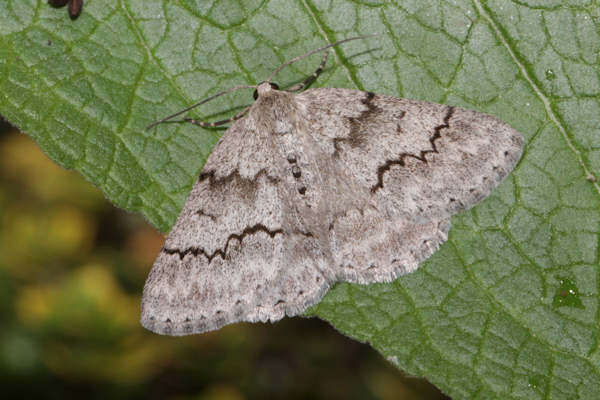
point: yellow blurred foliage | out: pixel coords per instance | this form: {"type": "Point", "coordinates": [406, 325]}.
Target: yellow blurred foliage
{"type": "Point", "coordinates": [124, 365]}
{"type": "Point", "coordinates": [35, 304]}
{"type": "Point", "coordinates": [221, 392]}
{"type": "Point", "coordinates": [90, 307]}
{"type": "Point", "coordinates": [90, 290]}
{"type": "Point", "coordinates": [30, 234]}
{"type": "Point", "coordinates": [70, 230]}
{"type": "Point", "coordinates": [23, 161]}
{"type": "Point", "coordinates": [48, 213]}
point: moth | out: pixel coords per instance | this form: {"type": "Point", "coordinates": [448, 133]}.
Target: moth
{"type": "Point", "coordinates": [309, 188]}
{"type": "Point", "coordinates": [75, 6]}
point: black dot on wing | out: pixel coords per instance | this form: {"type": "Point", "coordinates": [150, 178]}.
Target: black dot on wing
{"type": "Point", "coordinates": [296, 171]}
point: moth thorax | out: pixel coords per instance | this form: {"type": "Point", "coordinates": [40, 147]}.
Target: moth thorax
{"type": "Point", "coordinates": [283, 127]}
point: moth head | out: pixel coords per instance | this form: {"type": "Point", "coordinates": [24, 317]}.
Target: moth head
{"type": "Point", "coordinates": [263, 88]}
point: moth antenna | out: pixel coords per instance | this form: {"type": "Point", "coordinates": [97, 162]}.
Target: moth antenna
{"type": "Point", "coordinates": [310, 53]}
{"type": "Point", "coordinates": [199, 104]}
{"type": "Point", "coordinates": [294, 88]}
{"type": "Point", "coordinates": [312, 77]}
{"type": "Point", "coordinates": [222, 122]}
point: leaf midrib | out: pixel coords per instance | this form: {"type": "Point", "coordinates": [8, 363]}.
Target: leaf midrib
{"type": "Point", "coordinates": [538, 91]}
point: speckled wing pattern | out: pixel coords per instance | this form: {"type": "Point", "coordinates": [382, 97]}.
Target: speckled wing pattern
{"type": "Point", "coordinates": [310, 189]}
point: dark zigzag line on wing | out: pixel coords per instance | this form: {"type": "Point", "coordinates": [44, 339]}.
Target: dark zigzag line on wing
{"type": "Point", "coordinates": [354, 138]}
{"type": "Point", "coordinates": [221, 252]}
{"type": "Point", "coordinates": [203, 213]}
{"type": "Point", "coordinates": [210, 175]}
{"type": "Point", "coordinates": [421, 157]}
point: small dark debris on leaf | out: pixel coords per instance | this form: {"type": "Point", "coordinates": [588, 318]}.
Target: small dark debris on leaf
{"type": "Point", "coordinates": [75, 6]}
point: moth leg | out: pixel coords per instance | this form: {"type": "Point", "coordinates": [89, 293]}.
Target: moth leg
{"type": "Point", "coordinates": [222, 122]}
{"type": "Point", "coordinates": [311, 78]}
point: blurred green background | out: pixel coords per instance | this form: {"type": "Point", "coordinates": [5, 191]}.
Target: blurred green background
{"type": "Point", "coordinates": [72, 268]}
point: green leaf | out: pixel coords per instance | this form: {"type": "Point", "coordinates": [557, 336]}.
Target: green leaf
{"type": "Point", "coordinates": [508, 308]}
